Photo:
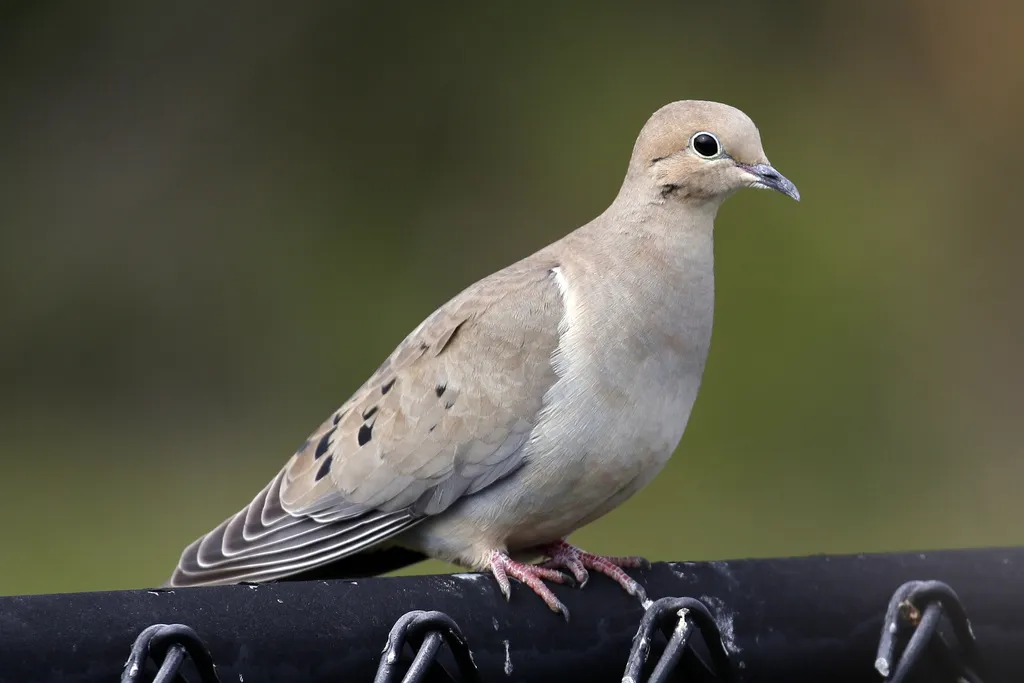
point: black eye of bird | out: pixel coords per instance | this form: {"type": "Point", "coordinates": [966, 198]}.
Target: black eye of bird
{"type": "Point", "coordinates": [706, 145]}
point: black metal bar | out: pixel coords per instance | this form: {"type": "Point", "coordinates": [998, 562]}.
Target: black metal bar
{"type": "Point", "coordinates": [676, 617]}
{"type": "Point", "coordinates": [793, 620]}
{"type": "Point", "coordinates": [431, 629]}
{"type": "Point", "coordinates": [168, 646]}
{"type": "Point", "coordinates": [673, 651]}
{"type": "Point", "coordinates": [424, 658]}
{"type": "Point", "coordinates": [919, 643]}
{"type": "Point", "coordinates": [917, 608]}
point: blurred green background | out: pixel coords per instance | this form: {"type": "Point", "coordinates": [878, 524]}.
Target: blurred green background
{"type": "Point", "coordinates": [218, 218]}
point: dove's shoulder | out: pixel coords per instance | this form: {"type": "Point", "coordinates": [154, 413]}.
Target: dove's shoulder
{"type": "Point", "coordinates": [448, 412]}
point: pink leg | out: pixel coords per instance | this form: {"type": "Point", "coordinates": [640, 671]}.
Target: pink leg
{"type": "Point", "coordinates": [567, 556]}
{"type": "Point", "coordinates": [502, 566]}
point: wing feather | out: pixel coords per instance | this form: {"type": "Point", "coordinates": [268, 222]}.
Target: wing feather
{"type": "Point", "coordinates": [445, 416]}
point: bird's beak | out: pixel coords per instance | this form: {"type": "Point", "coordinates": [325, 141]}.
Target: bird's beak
{"type": "Point", "coordinates": [767, 177]}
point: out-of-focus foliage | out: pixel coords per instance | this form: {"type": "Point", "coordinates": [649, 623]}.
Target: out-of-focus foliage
{"type": "Point", "coordinates": [218, 218]}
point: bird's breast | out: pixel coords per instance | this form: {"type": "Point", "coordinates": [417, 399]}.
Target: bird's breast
{"type": "Point", "coordinates": [630, 363]}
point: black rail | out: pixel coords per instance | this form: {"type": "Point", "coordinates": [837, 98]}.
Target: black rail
{"type": "Point", "coordinates": [937, 616]}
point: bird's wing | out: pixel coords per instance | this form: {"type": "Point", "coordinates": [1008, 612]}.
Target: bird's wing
{"type": "Point", "coordinates": [445, 416]}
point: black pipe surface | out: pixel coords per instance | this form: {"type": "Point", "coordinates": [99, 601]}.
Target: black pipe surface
{"type": "Point", "coordinates": [794, 620]}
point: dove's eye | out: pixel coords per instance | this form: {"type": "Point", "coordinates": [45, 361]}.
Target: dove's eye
{"type": "Point", "coordinates": [705, 145]}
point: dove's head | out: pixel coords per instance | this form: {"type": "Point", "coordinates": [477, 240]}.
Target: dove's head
{"type": "Point", "coordinates": [698, 151]}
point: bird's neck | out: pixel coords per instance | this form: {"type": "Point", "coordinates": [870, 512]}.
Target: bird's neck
{"type": "Point", "coordinates": [647, 208]}
{"type": "Point", "coordinates": [645, 296]}
{"type": "Point", "coordinates": [656, 262]}
{"type": "Point", "coordinates": [676, 232]}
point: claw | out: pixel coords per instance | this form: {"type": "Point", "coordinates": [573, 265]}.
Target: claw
{"type": "Point", "coordinates": [565, 560]}
{"type": "Point", "coordinates": [502, 566]}
{"type": "Point", "coordinates": [502, 579]}
{"type": "Point", "coordinates": [577, 561]}
{"type": "Point", "coordinates": [564, 611]}
{"type": "Point", "coordinates": [564, 556]}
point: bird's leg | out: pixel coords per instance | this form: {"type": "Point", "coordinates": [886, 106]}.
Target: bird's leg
{"type": "Point", "coordinates": [567, 556]}
{"type": "Point", "coordinates": [502, 566]}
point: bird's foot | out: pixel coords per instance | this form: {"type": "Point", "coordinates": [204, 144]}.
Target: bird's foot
{"type": "Point", "coordinates": [502, 566]}
{"type": "Point", "coordinates": [567, 556]}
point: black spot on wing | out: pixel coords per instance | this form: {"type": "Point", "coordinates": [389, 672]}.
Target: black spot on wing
{"type": "Point", "coordinates": [448, 404]}
{"type": "Point", "coordinates": [365, 432]}
{"type": "Point", "coordinates": [370, 413]}
{"type": "Point", "coordinates": [386, 387]}
{"type": "Point", "coordinates": [325, 443]}
{"type": "Point", "coordinates": [439, 390]}
{"type": "Point", "coordinates": [324, 468]}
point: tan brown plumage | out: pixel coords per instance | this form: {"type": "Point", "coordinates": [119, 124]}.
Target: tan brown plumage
{"type": "Point", "coordinates": [530, 404]}
{"type": "Point", "coordinates": [437, 420]}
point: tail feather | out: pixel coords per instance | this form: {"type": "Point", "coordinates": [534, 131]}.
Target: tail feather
{"type": "Point", "coordinates": [263, 542]}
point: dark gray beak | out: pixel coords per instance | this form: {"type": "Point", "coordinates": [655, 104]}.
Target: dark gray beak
{"type": "Point", "coordinates": [771, 179]}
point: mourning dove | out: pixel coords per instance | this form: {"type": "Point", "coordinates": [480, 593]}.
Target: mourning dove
{"type": "Point", "coordinates": [531, 404]}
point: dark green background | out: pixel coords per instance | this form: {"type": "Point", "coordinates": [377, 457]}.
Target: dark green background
{"type": "Point", "coordinates": [218, 218]}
